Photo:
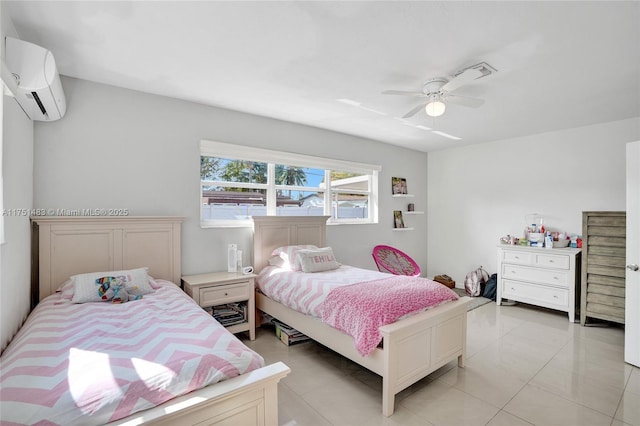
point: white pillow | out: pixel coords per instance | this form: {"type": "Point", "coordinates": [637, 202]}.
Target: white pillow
{"type": "Point", "coordinates": [85, 288]}
{"type": "Point", "coordinates": [288, 255]}
{"type": "Point", "coordinates": [275, 261]}
{"type": "Point", "coordinates": [317, 260]}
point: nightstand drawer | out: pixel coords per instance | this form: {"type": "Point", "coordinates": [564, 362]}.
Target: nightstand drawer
{"type": "Point", "coordinates": [217, 295]}
{"type": "Point", "coordinates": [221, 288]}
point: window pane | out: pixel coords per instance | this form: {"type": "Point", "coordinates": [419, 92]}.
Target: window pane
{"type": "Point", "coordinates": [210, 167]}
{"type": "Point", "coordinates": [221, 203]}
{"type": "Point", "coordinates": [349, 181]}
{"type": "Point", "coordinates": [292, 198]}
{"type": "Point", "coordinates": [298, 176]}
{"type": "Point", "coordinates": [301, 203]}
{"type": "Point", "coordinates": [226, 170]}
{"type": "Point", "coordinates": [350, 206]}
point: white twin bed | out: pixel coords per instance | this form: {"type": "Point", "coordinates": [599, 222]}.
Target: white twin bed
{"type": "Point", "coordinates": [412, 347]}
{"type": "Point", "coordinates": [157, 360]}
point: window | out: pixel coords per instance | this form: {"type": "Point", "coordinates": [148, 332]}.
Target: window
{"type": "Point", "coordinates": [238, 182]}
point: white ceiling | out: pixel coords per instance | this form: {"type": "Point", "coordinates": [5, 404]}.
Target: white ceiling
{"type": "Point", "coordinates": [560, 64]}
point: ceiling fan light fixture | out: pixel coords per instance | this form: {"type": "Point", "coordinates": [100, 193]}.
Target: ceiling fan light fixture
{"type": "Point", "coordinates": [435, 107]}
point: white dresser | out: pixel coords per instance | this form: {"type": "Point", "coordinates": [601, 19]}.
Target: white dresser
{"type": "Point", "coordinates": [539, 276]}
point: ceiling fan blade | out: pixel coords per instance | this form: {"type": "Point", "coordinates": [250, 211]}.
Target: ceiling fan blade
{"type": "Point", "coordinates": [461, 79]}
{"type": "Point", "coordinates": [465, 101]}
{"type": "Point", "coordinates": [415, 110]}
{"type": "Point", "coordinates": [402, 92]}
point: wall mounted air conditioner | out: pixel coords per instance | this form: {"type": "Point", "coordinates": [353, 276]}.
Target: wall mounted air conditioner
{"type": "Point", "coordinates": [39, 90]}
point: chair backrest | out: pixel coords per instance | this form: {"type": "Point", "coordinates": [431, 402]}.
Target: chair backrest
{"type": "Point", "coordinates": [390, 259]}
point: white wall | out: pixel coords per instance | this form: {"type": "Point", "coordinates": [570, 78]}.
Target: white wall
{"type": "Point", "coordinates": [15, 254]}
{"type": "Point", "coordinates": [118, 148]}
{"type": "Point", "coordinates": [477, 194]}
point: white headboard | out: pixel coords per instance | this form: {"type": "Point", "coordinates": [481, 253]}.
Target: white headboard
{"type": "Point", "coordinates": [270, 232]}
{"type": "Point", "coordinates": [68, 245]}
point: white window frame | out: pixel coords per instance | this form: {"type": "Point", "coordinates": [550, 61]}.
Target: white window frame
{"type": "Point", "coordinates": [239, 152]}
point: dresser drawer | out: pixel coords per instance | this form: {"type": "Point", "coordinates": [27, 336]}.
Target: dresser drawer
{"type": "Point", "coordinates": [535, 294]}
{"type": "Point", "coordinates": [552, 261]}
{"type": "Point", "coordinates": [519, 257]}
{"type": "Point", "coordinates": [542, 276]}
{"type": "Point", "coordinates": [217, 295]}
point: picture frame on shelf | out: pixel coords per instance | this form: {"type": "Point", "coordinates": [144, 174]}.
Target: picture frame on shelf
{"type": "Point", "coordinates": [398, 186]}
{"type": "Point", "coordinates": [398, 221]}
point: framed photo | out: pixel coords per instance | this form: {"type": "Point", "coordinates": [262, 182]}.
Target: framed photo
{"type": "Point", "coordinates": [398, 185]}
{"type": "Point", "coordinates": [398, 222]}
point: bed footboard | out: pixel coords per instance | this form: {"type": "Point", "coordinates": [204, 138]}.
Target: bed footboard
{"type": "Point", "coordinates": [412, 348]}
{"type": "Point", "coordinates": [417, 346]}
{"type": "Point", "coordinates": [249, 399]}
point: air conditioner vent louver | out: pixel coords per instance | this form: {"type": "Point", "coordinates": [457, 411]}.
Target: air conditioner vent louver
{"type": "Point", "coordinates": [39, 102]}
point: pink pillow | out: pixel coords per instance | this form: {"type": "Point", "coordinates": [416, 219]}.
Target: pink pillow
{"type": "Point", "coordinates": [66, 290]}
{"type": "Point", "coordinates": [154, 285]}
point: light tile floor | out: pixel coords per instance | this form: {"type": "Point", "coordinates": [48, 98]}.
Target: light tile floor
{"type": "Point", "coordinates": [525, 366]}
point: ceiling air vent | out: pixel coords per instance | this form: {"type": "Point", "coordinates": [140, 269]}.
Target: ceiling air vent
{"type": "Point", "coordinates": [483, 67]}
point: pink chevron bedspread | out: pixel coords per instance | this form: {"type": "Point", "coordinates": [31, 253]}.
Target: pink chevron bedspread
{"type": "Point", "coordinates": [360, 309]}
{"type": "Point", "coordinates": [93, 363]}
{"type": "Point", "coordinates": [305, 292]}
{"type": "Point", "coordinates": [354, 300]}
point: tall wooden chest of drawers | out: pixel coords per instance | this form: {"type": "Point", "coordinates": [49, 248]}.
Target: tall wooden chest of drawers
{"type": "Point", "coordinates": [539, 276]}
{"type": "Point", "coordinates": [603, 266]}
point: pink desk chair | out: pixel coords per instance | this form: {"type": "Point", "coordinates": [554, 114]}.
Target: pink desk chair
{"type": "Point", "coordinates": [391, 260]}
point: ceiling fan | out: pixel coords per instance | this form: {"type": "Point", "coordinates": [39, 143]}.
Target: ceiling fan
{"type": "Point", "coordinates": [437, 91]}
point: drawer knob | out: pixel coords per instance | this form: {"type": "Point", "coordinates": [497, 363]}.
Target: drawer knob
{"type": "Point", "coordinates": [555, 297]}
{"type": "Point", "coordinates": [226, 294]}
{"type": "Point", "coordinates": [550, 260]}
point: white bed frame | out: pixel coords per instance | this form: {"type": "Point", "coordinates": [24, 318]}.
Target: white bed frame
{"type": "Point", "coordinates": [412, 348]}
{"type": "Point", "coordinates": [64, 246]}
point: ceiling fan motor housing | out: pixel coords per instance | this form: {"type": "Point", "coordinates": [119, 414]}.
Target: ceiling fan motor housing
{"type": "Point", "coordinates": [434, 86]}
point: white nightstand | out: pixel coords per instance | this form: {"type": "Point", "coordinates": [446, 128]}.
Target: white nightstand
{"type": "Point", "coordinates": [219, 288]}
